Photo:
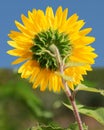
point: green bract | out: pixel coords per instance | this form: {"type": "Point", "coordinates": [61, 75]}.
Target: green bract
{"type": "Point", "coordinates": [42, 51]}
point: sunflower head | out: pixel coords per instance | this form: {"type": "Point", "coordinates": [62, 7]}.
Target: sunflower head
{"type": "Point", "coordinates": [42, 48]}
{"type": "Point", "coordinates": [45, 38]}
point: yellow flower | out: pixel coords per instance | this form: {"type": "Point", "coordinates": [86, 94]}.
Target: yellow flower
{"type": "Point", "coordinates": [33, 46]}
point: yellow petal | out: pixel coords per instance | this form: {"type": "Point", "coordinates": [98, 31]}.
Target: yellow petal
{"type": "Point", "coordinates": [35, 72]}
{"type": "Point", "coordinates": [45, 79]}
{"type": "Point", "coordinates": [19, 60]}
{"type": "Point", "coordinates": [38, 79]}
{"type": "Point", "coordinates": [79, 24]}
{"type": "Point", "coordinates": [85, 31]}
{"type": "Point", "coordinates": [28, 23]}
{"type": "Point", "coordinates": [50, 16]}
{"type": "Point", "coordinates": [88, 39]}
{"type": "Point", "coordinates": [49, 12]}
{"type": "Point", "coordinates": [13, 44]}
{"type": "Point", "coordinates": [72, 19]}
{"type": "Point", "coordinates": [23, 29]}
{"type": "Point", "coordinates": [21, 69]}
{"type": "Point", "coordinates": [84, 40]}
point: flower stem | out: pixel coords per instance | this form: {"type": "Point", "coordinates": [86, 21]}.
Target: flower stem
{"type": "Point", "coordinates": [71, 99]}
{"type": "Point", "coordinates": [70, 96]}
{"type": "Point", "coordinates": [73, 103]}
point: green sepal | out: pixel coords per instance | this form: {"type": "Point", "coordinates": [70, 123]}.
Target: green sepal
{"type": "Point", "coordinates": [65, 77]}
{"type": "Point", "coordinates": [74, 64]}
{"type": "Point", "coordinates": [41, 48]}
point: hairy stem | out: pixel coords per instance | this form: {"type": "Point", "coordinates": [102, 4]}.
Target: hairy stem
{"type": "Point", "coordinates": [73, 103]}
{"type": "Point", "coordinates": [70, 96]}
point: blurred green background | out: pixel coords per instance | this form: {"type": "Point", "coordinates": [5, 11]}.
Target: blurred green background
{"type": "Point", "coordinates": [21, 107]}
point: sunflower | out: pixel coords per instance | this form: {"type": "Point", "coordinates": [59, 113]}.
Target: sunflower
{"type": "Point", "coordinates": [35, 42]}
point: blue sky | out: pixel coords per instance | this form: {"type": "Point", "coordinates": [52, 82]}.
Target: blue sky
{"type": "Point", "coordinates": [92, 11]}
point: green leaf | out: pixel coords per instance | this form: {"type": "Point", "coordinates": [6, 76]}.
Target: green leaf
{"type": "Point", "coordinates": [96, 113]}
{"type": "Point", "coordinates": [82, 87]}
{"type": "Point", "coordinates": [74, 126]}
{"type": "Point", "coordinates": [44, 127]}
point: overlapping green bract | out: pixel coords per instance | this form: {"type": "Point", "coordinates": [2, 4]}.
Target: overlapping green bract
{"type": "Point", "coordinates": [41, 48]}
